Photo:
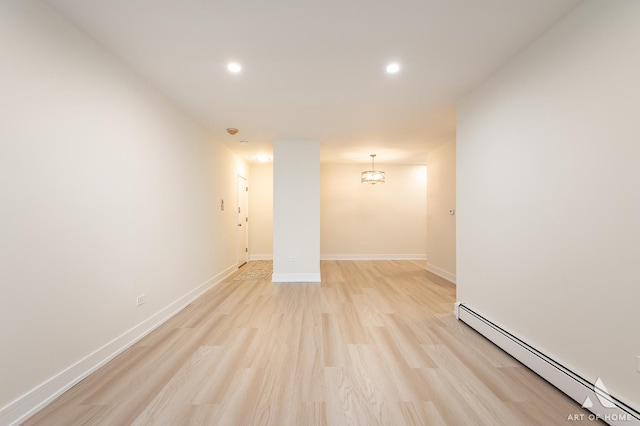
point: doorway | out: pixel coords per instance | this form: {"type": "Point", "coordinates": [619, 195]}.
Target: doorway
{"type": "Point", "coordinates": [242, 216]}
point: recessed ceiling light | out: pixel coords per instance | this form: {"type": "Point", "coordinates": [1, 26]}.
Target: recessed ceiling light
{"type": "Point", "coordinates": [263, 158]}
{"type": "Point", "coordinates": [393, 68]}
{"type": "Point", "coordinates": [244, 142]}
{"type": "Point", "coordinates": [234, 67]}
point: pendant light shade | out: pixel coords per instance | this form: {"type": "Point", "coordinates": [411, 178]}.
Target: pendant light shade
{"type": "Point", "coordinates": [372, 176]}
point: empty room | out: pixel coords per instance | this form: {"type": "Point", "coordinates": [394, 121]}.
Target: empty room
{"type": "Point", "coordinates": [319, 213]}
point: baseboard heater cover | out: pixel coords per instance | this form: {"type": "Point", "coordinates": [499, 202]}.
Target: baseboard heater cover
{"type": "Point", "coordinates": [553, 372]}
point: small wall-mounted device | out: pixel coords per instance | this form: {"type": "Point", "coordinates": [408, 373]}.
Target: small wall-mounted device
{"type": "Point", "coordinates": [221, 205]}
{"type": "Point", "coordinates": [452, 211]}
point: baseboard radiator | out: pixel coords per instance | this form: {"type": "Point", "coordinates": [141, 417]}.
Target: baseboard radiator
{"type": "Point", "coordinates": [593, 396]}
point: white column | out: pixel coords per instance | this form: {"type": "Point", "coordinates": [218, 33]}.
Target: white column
{"type": "Point", "coordinates": [296, 211]}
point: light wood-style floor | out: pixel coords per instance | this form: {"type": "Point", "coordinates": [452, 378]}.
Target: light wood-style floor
{"type": "Point", "coordinates": [375, 343]}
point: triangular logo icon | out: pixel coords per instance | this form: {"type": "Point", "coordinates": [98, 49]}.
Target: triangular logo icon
{"type": "Point", "coordinates": [587, 403]}
{"type": "Point", "coordinates": [603, 394]}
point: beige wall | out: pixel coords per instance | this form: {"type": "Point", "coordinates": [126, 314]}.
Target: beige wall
{"type": "Point", "coordinates": [260, 211]}
{"type": "Point", "coordinates": [108, 192]}
{"type": "Point", "coordinates": [358, 221]}
{"type": "Point", "coordinates": [548, 195]}
{"type": "Point", "coordinates": [373, 221]}
{"type": "Point", "coordinates": [441, 198]}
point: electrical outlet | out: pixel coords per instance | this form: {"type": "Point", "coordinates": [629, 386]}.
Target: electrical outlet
{"type": "Point", "coordinates": [293, 259]}
{"type": "Point", "coordinates": [140, 300]}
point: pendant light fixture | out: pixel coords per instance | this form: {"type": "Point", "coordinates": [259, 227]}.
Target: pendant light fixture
{"type": "Point", "coordinates": [372, 176]}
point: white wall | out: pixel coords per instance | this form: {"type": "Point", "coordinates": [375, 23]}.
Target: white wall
{"type": "Point", "coordinates": [261, 211]}
{"type": "Point", "coordinates": [441, 225]}
{"type": "Point", "coordinates": [296, 211]}
{"type": "Point", "coordinates": [373, 221]}
{"type": "Point", "coordinates": [107, 192]}
{"type": "Point", "coordinates": [549, 195]}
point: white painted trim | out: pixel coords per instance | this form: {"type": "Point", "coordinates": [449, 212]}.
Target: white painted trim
{"type": "Point", "coordinates": [260, 257]}
{"type": "Point", "coordinates": [353, 257]}
{"type": "Point", "coordinates": [456, 310]}
{"type": "Point", "coordinates": [34, 400]}
{"type": "Point", "coordinates": [295, 278]}
{"type": "Point", "coordinates": [441, 273]}
{"type": "Point", "coordinates": [552, 371]}
{"type": "Point", "coordinates": [373, 257]}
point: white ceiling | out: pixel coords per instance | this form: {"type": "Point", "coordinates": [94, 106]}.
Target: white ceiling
{"type": "Point", "coordinates": [315, 70]}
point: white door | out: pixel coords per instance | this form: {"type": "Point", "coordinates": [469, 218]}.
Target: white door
{"type": "Point", "coordinates": [242, 215]}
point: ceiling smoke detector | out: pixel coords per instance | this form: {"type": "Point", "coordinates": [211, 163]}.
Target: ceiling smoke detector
{"type": "Point", "coordinates": [232, 131]}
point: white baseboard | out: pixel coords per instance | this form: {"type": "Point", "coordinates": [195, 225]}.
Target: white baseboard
{"type": "Point", "coordinates": [33, 401]}
{"type": "Point", "coordinates": [260, 257]}
{"type": "Point", "coordinates": [295, 278]}
{"type": "Point", "coordinates": [441, 273]}
{"type": "Point", "coordinates": [373, 257]}
{"type": "Point", "coordinates": [569, 382]}
{"type": "Point", "coordinates": [353, 257]}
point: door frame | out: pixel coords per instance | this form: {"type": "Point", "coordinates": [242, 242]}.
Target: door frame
{"type": "Point", "coordinates": [242, 220]}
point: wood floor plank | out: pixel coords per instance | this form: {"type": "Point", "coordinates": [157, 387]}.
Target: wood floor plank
{"type": "Point", "coordinates": [351, 403]}
{"type": "Point", "coordinates": [178, 394]}
{"type": "Point", "coordinates": [334, 346]}
{"type": "Point", "coordinates": [309, 367]}
{"type": "Point", "coordinates": [476, 393]}
{"type": "Point", "coordinates": [421, 413]}
{"type": "Point", "coordinates": [375, 343]}
{"type": "Point", "coordinates": [410, 384]}
{"type": "Point", "coordinates": [312, 413]}
{"type": "Point", "coordinates": [407, 342]}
